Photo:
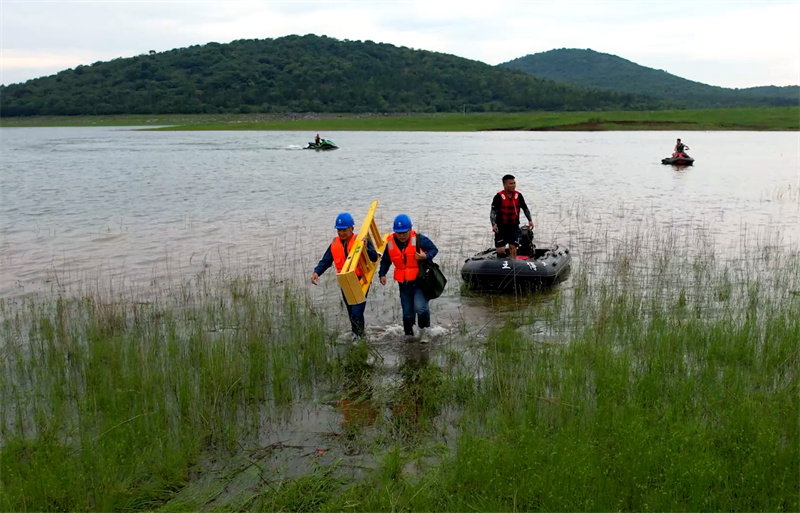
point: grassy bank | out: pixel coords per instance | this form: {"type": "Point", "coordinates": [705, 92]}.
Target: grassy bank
{"type": "Point", "coordinates": [660, 380]}
{"type": "Point", "coordinates": [112, 405]}
{"type": "Point", "coordinates": [784, 118]}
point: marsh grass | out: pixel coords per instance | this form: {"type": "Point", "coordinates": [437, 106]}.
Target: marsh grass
{"type": "Point", "coordinates": [110, 405]}
{"type": "Point", "coordinates": [662, 390]}
{"type": "Point", "coordinates": [661, 377]}
{"type": "Point", "coordinates": [684, 400]}
{"type": "Point", "coordinates": [762, 118]}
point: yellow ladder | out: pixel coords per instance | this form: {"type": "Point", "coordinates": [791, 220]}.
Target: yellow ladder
{"type": "Point", "coordinates": [355, 287]}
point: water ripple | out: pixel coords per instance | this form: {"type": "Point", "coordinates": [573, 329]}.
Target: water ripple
{"type": "Point", "coordinates": [84, 204]}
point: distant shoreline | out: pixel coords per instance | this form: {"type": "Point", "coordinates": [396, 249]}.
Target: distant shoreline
{"type": "Point", "coordinates": [754, 119]}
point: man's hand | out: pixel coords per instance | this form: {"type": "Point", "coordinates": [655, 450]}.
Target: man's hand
{"type": "Point", "coordinates": [383, 280]}
{"type": "Point", "coordinates": [314, 278]}
{"type": "Point", "coordinates": [530, 225]}
{"type": "Point", "coordinates": [421, 255]}
{"type": "Point", "coordinates": [494, 228]}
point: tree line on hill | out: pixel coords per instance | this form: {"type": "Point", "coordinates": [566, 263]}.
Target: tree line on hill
{"type": "Point", "coordinates": [300, 74]}
{"type": "Point", "coordinates": [596, 70]}
{"type": "Point", "coordinates": [321, 74]}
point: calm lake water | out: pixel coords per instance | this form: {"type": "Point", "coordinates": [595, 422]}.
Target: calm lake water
{"type": "Point", "coordinates": [127, 211]}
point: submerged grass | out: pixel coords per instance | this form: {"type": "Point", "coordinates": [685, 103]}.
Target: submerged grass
{"type": "Point", "coordinates": [660, 380]}
{"type": "Point", "coordinates": [676, 398]}
{"type": "Point", "coordinates": [763, 118]}
{"type": "Point", "coordinates": [109, 406]}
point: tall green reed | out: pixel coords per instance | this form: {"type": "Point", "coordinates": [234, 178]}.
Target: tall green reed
{"type": "Point", "coordinates": [108, 405]}
{"type": "Point", "coordinates": [671, 383]}
{"type": "Point", "coordinates": [661, 380]}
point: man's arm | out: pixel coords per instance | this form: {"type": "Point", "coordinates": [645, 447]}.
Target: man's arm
{"type": "Point", "coordinates": [371, 252]}
{"type": "Point", "coordinates": [325, 262]}
{"type": "Point", "coordinates": [496, 202]}
{"type": "Point", "coordinates": [385, 263]}
{"type": "Point", "coordinates": [427, 245]}
{"type": "Point", "coordinates": [524, 207]}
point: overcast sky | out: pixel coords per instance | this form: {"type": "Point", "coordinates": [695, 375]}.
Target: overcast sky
{"type": "Point", "coordinates": [717, 42]}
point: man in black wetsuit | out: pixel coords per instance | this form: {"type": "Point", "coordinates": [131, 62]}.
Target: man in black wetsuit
{"type": "Point", "coordinates": [504, 217]}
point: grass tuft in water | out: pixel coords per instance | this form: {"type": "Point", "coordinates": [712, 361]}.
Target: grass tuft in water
{"type": "Point", "coordinates": [110, 405]}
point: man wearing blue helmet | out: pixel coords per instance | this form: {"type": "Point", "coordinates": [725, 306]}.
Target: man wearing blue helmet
{"type": "Point", "coordinates": [336, 254]}
{"type": "Point", "coordinates": [404, 248]}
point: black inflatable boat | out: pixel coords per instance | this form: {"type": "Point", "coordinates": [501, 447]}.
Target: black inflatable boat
{"type": "Point", "coordinates": [536, 265]}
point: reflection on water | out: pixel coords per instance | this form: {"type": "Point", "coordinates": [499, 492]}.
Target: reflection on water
{"type": "Point", "coordinates": [117, 211]}
{"type": "Point", "coordinates": [406, 396]}
{"type": "Point", "coordinates": [357, 402]}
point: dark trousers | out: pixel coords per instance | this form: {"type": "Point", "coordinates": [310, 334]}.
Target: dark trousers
{"type": "Point", "coordinates": [356, 314]}
{"type": "Point", "coordinates": [414, 306]}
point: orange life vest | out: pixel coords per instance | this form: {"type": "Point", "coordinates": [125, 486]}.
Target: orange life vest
{"type": "Point", "coordinates": [405, 263]}
{"type": "Point", "coordinates": [339, 252]}
{"type": "Point", "coordinates": [509, 208]}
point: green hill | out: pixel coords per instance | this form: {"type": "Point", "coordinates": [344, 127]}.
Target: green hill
{"type": "Point", "coordinates": [595, 70]}
{"type": "Point", "coordinates": [299, 74]}
{"type": "Point", "coordinates": [772, 91]}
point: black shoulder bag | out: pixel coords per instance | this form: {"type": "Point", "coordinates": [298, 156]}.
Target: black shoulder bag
{"type": "Point", "coordinates": [430, 278]}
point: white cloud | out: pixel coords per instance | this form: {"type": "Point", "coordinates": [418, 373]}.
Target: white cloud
{"type": "Point", "coordinates": [704, 40]}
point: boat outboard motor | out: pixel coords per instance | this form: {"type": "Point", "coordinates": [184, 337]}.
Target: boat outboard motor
{"type": "Point", "coordinates": [526, 242]}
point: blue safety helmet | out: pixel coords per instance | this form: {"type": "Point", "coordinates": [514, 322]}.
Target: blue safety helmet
{"type": "Point", "coordinates": [344, 220]}
{"type": "Point", "coordinates": [402, 223]}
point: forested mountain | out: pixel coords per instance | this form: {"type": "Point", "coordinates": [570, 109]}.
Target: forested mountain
{"type": "Point", "coordinates": [299, 74]}
{"type": "Point", "coordinates": [772, 91]}
{"type": "Point", "coordinates": [595, 70]}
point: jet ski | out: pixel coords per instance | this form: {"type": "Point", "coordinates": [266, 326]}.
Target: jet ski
{"type": "Point", "coordinates": [324, 144]}
{"type": "Point", "coordinates": [680, 159]}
